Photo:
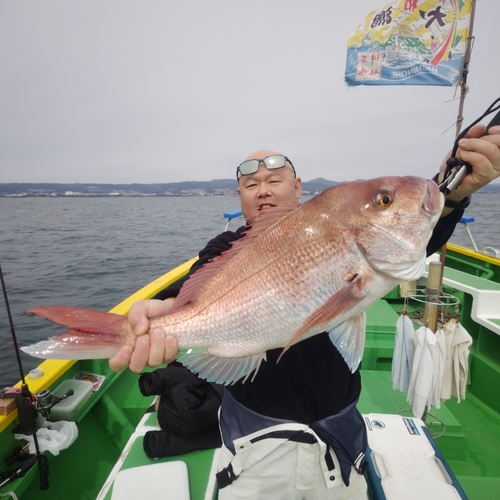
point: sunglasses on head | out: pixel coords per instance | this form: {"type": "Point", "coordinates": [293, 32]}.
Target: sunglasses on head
{"type": "Point", "coordinates": [271, 162]}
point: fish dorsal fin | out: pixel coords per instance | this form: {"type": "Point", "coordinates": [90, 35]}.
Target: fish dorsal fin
{"type": "Point", "coordinates": [263, 221]}
{"type": "Point", "coordinates": [198, 278]}
{"type": "Point", "coordinates": [222, 370]}
{"type": "Point", "coordinates": [346, 298]}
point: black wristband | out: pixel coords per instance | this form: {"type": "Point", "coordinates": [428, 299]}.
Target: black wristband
{"type": "Point", "coordinates": [460, 205]}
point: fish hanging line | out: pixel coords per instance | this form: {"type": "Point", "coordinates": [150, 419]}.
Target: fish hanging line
{"type": "Point", "coordinates": [24, 401]}
{"type": "Point", "coordinates": [456, 169]}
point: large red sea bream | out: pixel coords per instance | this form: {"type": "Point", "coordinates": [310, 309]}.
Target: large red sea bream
{"type": "Point", "coordinates": [296, 273]}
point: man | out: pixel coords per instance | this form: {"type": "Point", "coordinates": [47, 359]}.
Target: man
{"type": "Point", "coordinates": [307, 438]}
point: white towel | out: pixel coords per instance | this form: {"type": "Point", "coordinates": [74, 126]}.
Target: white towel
{"type": "Point", "coordinates": [403, 354]}
{"type": "Point", "coordinates": [439, 365]}
{"type": "Point", "coordinates": [458, 343]}
{"type": "Point", "coordinates": [422, 374]}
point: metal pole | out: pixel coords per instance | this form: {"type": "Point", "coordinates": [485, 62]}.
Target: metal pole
{"type": "Point", "coordinates": [432, 292]}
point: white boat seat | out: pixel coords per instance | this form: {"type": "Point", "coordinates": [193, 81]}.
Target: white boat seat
{"type": "Point", "coordinates": [153, 482]}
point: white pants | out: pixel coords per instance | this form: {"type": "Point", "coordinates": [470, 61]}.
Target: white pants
{"type": "Point", "coordinates": [290, 471]}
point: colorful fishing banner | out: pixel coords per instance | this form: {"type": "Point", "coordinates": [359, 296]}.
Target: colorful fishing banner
{"type": "Point", "coordinates": [410, 42]}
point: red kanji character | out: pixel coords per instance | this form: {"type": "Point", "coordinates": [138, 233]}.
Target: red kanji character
{"type": "Point", "coordinates": [410, 5]}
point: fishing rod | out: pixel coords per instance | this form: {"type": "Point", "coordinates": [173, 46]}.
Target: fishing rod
{"type": "Point", "coordinates": [25, 401]}
{"type": "Point", "coordinates": [12, 330]}
{"type": "Point", "coordinates": [456, 169]}
{"type": "Point", "coordinates": [464, 89]}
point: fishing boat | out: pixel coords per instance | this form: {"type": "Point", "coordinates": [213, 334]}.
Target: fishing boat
{"type": "Point", "coordinates": [114, 416]}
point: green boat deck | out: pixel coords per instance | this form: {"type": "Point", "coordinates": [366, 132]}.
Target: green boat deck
{"type": "Point", "coordinates": [198, 462]}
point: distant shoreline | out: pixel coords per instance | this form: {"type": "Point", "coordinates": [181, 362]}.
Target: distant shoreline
{"type": "Point", "coordinates": [116, 195]}
{"type": "Point", "coordinates": [217, 187]}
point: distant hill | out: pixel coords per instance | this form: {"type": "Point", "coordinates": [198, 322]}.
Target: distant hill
{"type": "Point", "coordinates": [216, 187]}
{"type": "Point", "coordinates": [318, 185]}
{"type": "Point", "coordinates": [490, 189]}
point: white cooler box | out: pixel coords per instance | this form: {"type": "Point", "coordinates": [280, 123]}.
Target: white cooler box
{"type": "Point", "coordinates": [404, 462]}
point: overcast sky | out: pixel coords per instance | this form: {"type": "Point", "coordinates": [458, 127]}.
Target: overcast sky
{"type": "Point", "coordinates": [123, 91]}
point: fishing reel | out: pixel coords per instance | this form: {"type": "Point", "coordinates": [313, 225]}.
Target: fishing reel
{"type": "Point", "coordinates": [45, 400]}
{"type": "Point", "coordinates": [29, 407]}
{"type": "Point", "coordinates": [32, 411]}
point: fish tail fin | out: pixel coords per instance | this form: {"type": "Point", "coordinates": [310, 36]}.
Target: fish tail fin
{"type": "Point", "coordinates": [93, 334]}
{"type": "Point", "coordinates": [84, 320]}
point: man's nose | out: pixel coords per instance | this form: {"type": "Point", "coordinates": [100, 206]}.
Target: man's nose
{"type": "Point", "coordinates": [263, 190]}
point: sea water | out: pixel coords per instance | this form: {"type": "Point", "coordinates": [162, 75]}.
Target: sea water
{"type": "Point", "coordinates": [95, 252]}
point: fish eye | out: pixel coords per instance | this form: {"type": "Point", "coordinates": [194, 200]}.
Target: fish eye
{"type": "Point", "coordinates": [383, 199]}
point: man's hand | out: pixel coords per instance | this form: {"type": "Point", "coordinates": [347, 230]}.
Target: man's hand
{"type": "Point", "coordinates": [152, 348]}
{"type": "Point", "coordinates": [482, 151]}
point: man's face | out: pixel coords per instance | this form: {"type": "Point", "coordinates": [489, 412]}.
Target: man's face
{"type": "Point", "coordinates": [266, 188]}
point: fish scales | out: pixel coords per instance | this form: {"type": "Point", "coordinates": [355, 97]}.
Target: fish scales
{"type": "Point", "coordinates": [265, 289]}
{"type": "Point", "coordinates": [271, 282]}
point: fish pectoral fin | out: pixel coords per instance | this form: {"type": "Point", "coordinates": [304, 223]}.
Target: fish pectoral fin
{"type": "Point", "coordinates": [346, 298]}
{"type": "Point", "coordinates": [349, 339]}
{"type": "Point", "coordinates": [222, 370]}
